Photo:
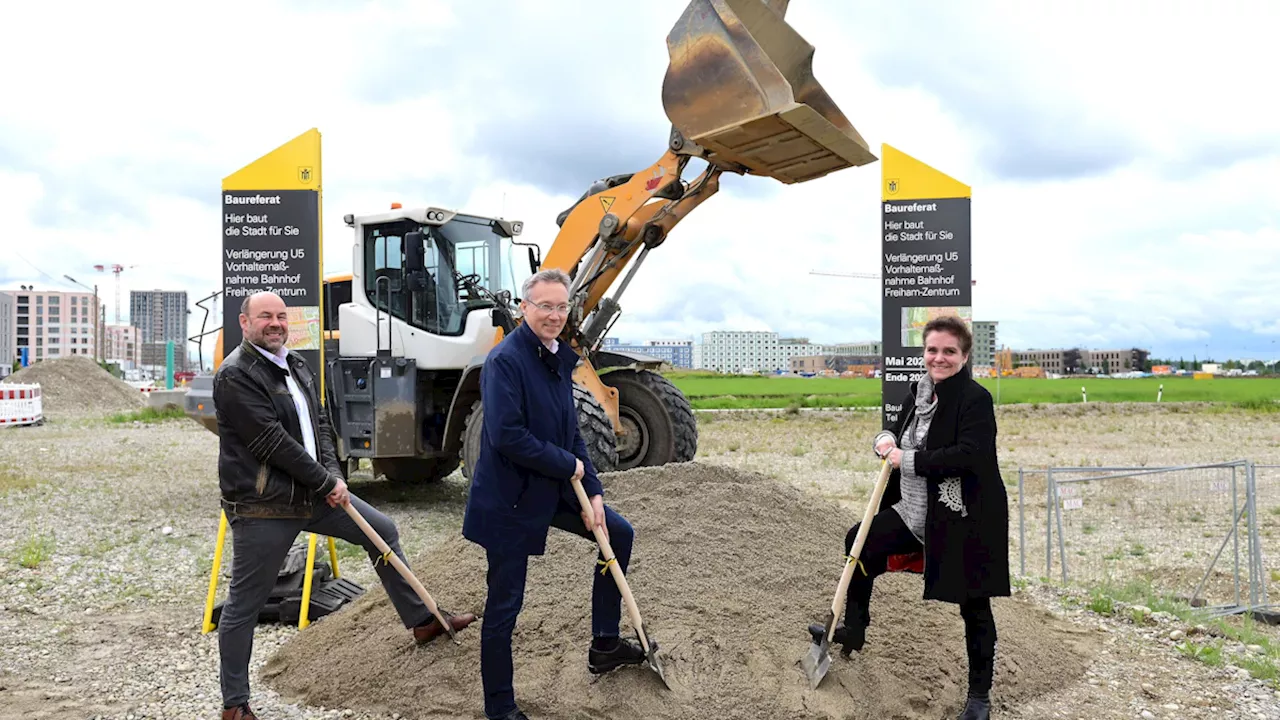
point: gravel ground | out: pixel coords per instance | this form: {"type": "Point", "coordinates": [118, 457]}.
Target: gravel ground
{"type": "Point", "coordinates": [119, 522]}
{"type": "Point", "coordinates": [107, 543]}
{"type": "Point", "coordinates": [1165, 527]}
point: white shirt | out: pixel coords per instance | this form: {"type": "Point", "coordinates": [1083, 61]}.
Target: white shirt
{"type": "Point", "coordinates": [299, 399]}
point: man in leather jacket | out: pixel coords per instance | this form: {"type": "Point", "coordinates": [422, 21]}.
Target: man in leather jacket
{"type": "Point", "coordinates": [279, 476]}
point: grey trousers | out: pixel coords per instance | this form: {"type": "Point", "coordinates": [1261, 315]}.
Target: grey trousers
{"type": "Point", "coordinates": [259, 547]}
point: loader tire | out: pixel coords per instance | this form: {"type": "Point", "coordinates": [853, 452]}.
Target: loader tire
{"type": "Point", "coordinates": [593, 424]}
{"type": "Point", "coordinates": [471, 438]}
{"type": "Point", "coordinates": [683, 422]}
{"type": "Point", "coordinates": [415, 470]}
{"type": "Point", "coordinates": [597, 431]}
{"type": "Point", "coordinates": [649, 438]}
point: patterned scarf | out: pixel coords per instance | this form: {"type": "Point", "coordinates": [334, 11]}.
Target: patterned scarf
{"type": "Point", "coordinates": [926, 404]}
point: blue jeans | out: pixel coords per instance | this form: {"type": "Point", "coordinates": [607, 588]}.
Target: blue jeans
{"type": "Point", "coordinates": [506, 579]}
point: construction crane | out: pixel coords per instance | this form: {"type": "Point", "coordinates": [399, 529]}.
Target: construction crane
{"type": "Point", "coordinates": [116, 269]}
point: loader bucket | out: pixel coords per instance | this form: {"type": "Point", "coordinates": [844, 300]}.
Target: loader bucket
{"type": "Point", "coordinates": [740, 84]}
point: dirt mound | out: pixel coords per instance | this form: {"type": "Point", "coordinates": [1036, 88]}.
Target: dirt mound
{"type": "Point", "coordinates": [728, 569]}
{"type": "Point", "coordinates": [77, 385]}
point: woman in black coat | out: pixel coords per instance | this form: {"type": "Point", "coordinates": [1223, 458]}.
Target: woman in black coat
{"type": "Point", "coordinates": [946, 498]}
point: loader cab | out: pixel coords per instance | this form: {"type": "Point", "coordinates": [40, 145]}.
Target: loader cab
{"type": "Point", "coordinates": [431, 292]}
{"type": "Point", "coordinates": [431, 270]}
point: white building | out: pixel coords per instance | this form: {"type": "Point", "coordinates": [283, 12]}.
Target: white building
{"type": "Point", "coordinates": [731, 351]}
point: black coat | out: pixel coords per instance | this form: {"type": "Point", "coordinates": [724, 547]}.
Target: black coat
{"type": "Point", "coordinates": [965, 555]}
{"type": "Point", "coordinates": [528, 446]}
{"type": "Point", "coordinates": [264, 469]}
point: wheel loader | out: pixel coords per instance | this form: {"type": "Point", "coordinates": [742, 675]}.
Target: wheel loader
{"type": "Point", "coordinates": [433, 289]}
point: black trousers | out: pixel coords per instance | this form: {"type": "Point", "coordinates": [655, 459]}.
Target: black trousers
{"type": "Point", "coordinates": [259, 547]}
{"type": "Point", "coordinates": [890, 536]}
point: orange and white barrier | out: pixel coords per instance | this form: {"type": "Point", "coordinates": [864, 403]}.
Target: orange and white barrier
{"type": "Point", "coordinates": [20, 405]}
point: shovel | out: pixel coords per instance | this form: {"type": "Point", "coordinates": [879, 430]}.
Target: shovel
{"type": "Point", "coordinates": [623, 587]}
{"type": "Point", "coordinates": [404, 571]}
{"type": "Point", "coordinates": [818, 661]}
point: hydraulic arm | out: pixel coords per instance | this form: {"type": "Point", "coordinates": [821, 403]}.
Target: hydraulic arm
{"type": "Point", "coordinates": [741, 95]}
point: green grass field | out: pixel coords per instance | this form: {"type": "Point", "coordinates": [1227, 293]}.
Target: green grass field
{"type": "Point", "coordinates": [706, 391]}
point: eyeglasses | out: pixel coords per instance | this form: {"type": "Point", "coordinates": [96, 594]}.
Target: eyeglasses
{"type": "Point", "coordinates": [548, 308]}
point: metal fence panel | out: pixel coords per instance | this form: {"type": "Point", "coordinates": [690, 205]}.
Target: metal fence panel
{"type": "Point", "coordinates": [1267, 500]}
{"type": "Point", "coordinates": [1186, 531]}
{"type": "Point", "coordinates": [1027, 545]}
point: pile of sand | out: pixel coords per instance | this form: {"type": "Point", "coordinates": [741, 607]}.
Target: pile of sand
{"type": "Point", "coordinates": [77, 385]}
{"type": "Point", "coordinates": [729, 568]}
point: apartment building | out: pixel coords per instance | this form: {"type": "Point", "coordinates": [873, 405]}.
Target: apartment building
{"type": "Point", "coordinates": [677, 353]}
{"type": "Point", "coordinates": [865, 348]}
{"type": "Point", "coordinates": [985, 343]}
{"type": "Point", "coordinates": [8, 330]}
{"type": "Point", "coordinates": [1071, 361]}
{"type": "Point", "coordinates": [732, 351]}
{"type": "Point", "coordinates": [123, 346]}
{"type": "Point", "coordinates": [49, 323]}
{"type": "Point", "coordinates": [160, 317]}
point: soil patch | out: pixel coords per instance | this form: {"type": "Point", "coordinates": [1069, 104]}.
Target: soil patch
{"type": "Point", "coordinates": [728, 569]}
{"type": "Point", "coordinates": [77, 385]}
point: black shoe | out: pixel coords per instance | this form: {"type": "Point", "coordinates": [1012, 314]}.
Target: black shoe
{"type": "Point", "coordinates": [976, 709]}
{"type": "Point", "coordinates": [625, 652]}
{"type": "Point", "coordinates": [514, 715]}
{"type": "Point", "coordinates": [850, 642]}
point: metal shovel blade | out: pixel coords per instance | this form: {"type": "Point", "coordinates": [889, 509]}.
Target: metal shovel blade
{"type": "Point", "coordinates": [818, 660]}
{"type": "Point", "coordinates": [740, 84]}
{"type": "Point", "coordinates": [654, 664]}
{"type": "Point", "coordinates": [448, 627]}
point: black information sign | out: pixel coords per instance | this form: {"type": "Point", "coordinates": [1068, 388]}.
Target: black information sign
{"type": "Point", "coordinates": [926, 273]}
{"type": "Point", "coordinates": [271, 241]}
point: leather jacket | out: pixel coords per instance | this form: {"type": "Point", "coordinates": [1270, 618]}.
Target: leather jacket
{"type": "Point", "coordinates": [264, 469]}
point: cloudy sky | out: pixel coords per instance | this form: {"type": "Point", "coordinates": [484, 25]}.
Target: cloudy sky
{"type": "Point", "coordinates": [1123, 161]}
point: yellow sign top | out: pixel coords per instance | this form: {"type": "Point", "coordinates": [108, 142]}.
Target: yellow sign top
{"type": "Point", "coordinates": [294, 165]}
{"type": "Point", "coordinates": [903, 177]}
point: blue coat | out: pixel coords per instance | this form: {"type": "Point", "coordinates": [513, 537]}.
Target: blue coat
{"type": "Point", "coordinates": [528, 445]}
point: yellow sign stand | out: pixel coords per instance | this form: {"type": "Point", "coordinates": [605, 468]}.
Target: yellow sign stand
{"type": "Point", "coordinates": [293, 166]}
{"type": "Point", "coordinates": [291, 170]}
{"type": "Point", "coordinates": [303, 620]}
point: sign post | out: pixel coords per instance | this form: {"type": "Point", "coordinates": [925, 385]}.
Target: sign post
{"type": "Point", "coordinates": [271, 240]}
{"type": "Point", "coordinates": [927, 266]}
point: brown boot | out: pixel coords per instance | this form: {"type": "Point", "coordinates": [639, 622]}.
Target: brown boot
{"type": "Point", "coordinates": [424, 634]}
{"type": "Point", "coordinates": [239, 712]}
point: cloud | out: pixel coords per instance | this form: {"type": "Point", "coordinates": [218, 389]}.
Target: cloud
{"type": "Point", "coordinates": [1082, 89]}
{"type": "Point", "coordinates": [1123, 164]}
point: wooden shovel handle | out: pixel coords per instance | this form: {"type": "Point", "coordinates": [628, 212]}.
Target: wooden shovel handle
{"type": "Point", "coordinates": [395, 562]}
{"type": "Point", "coordinates": [873, 507]}
{"type": "Point", "coordinates": [632, 610]}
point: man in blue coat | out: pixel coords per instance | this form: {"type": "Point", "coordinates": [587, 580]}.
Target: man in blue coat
{"type": "Point", "coordinates": [530, 449]}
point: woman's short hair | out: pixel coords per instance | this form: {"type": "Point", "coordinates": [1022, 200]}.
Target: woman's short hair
{"type": "Point", "coordinates": [953, 325]}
